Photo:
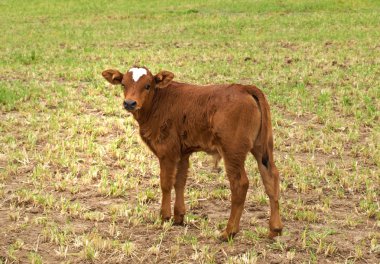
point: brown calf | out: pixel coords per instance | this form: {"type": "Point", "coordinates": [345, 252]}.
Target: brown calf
{"type": "Point", "coordinates": [177, 119]}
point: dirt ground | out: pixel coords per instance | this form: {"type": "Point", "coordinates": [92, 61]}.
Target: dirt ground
{"type": "Point", "coordinates": [337, 233]}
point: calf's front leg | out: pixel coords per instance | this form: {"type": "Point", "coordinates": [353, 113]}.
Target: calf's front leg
{"type": "Point", "coordinates": [167, 178]}
{"type": "Point", "coordinates": [179, 186]}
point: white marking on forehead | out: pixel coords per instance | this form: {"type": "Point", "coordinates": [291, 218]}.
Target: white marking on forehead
{"type": "Point", "coordinates": [137, 73]}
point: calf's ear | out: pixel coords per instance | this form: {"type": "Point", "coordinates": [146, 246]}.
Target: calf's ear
{"type": "Point", "coordinates": [113, 76]}
{"type": "Point", "coordinates": [163, 78]}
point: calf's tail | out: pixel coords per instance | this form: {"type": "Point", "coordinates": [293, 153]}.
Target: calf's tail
{"type": "Point", "coordinates": [264, 140]}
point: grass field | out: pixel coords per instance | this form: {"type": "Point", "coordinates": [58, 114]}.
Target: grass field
{"type": "Point", "coordinates": [78, 185]}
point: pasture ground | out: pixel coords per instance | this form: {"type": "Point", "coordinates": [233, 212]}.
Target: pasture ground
{"type": "Point", "coordinates": [78, 185]}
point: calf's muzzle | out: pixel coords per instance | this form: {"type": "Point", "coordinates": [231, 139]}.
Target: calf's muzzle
{"type": "Point", "coordinates": [129, 104]}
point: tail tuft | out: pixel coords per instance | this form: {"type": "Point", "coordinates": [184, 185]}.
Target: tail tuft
{"type": "Point", "coordinates": [265, 160]}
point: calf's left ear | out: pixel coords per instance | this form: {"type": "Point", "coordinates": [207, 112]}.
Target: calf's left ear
{"type": "Point", "coordinates": [163, 78]}
{"type": "Point", "coordinates": [113, 76]}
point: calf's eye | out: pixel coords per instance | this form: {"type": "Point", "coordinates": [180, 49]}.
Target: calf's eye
{"type": "Point", "coordinates": [147, 86]}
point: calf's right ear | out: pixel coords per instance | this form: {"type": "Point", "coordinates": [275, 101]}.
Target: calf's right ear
{"type": "Point", "coordinates": [113, 76]}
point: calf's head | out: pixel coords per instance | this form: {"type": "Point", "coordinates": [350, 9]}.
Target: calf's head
{"type": "Point", "coordinates": [139, 85]}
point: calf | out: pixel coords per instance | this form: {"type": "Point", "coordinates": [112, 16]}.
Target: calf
{"type": "Point", "coordinates": [177, 119]}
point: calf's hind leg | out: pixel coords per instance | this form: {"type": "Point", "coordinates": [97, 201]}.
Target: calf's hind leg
{"type": "Point", "coordinates": [271, 180]}
{"type": "Point", "coordinates": [239, 185]}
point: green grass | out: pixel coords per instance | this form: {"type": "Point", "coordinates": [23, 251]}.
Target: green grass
{"type": "Point", "coordinates": [77, 184]}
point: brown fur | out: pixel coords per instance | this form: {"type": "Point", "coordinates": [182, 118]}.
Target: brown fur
{"type": "Point", "coordinates": [177, 119]}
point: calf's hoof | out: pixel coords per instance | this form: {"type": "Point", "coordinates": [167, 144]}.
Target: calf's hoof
{"type": "Point", "coordinates": [274, 232]}
{"type": "Point", "coordinates": [216, 170]}
{"type": "Point", "coordinates": [225, 236]}
{"type": "Point", "coordinates": [165, 219]}
{"type": "Point", "coordinates": [178, 220]}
